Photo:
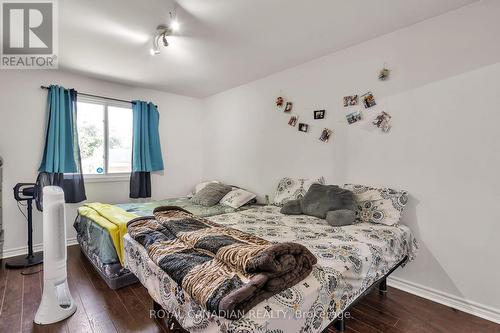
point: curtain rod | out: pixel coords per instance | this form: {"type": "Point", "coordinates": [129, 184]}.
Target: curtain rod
{"type": "Point", "coordinates": [97, 96]}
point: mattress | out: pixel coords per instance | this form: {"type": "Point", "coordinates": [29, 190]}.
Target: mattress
{"type": "Point", "coordinates": [97, 245]}
{"type": "Point", "coordinates": [350, 260]}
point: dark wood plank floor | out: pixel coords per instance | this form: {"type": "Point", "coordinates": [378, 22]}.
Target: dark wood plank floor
{"type": "Point", "coordinates": [101, 309]}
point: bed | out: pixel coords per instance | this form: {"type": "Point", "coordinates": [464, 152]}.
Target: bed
{"type": "Point", "coordinates": [98, 247]}
{"type": "Point", "coordinates": [350, 260]}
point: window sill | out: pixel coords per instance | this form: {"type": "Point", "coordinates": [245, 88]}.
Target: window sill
{"type": "Point", "coordinates": [123, 177]}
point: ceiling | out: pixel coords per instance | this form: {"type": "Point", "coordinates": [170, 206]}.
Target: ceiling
{"type": "Point", "coordinates": [221, 43]}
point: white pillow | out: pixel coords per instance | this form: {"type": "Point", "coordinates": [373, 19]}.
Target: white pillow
{"type": "Point", "coordinates": [292, 189]}
{"type": "Point", "coordinates": [237, 198]}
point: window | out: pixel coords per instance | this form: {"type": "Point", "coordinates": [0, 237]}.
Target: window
{"type": "Point", "coordinates": [105, 135]}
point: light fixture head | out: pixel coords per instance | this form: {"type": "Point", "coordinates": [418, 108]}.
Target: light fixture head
{"type": "Point", "coordinates": [162, 31]}
{"type": "Point", "coordinates": [175, 26]}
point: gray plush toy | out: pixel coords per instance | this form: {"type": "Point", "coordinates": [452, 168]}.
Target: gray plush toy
{"type": "Point", "coordinates": [341, 217]}
{"type": "Point", "coordinates": [329, 202]}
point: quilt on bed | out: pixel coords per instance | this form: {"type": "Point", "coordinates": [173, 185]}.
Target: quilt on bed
{"type": "Point", "coordinates": [225, 270]}
{"type": "Point", "coordinates": [350, 259]}
{"type": "Point", "coordinates": [99, 244]}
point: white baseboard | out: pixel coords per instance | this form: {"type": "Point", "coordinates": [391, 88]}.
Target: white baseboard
{"type": "Point", "coordinates": [452, 301]}
{"type": "Point", "coordinates": [19, 251]}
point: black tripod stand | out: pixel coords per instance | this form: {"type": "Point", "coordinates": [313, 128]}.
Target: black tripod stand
{"type": "Point", "coordinates": [26, 192]}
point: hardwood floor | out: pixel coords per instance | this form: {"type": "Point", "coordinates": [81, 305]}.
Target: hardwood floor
{"type": "Point", "coordinates": [101, 309]}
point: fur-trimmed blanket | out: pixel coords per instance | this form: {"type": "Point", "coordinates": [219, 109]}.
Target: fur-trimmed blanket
{"type": "Point", "coordinates": [226, 271]}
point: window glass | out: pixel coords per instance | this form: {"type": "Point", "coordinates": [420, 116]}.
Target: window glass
{"type": "Point", "coordinates": [119, 139]}
{"type": "Point", "coordinates": [90, 120]}
{"type": "Point", "coordinates": [105, 137]}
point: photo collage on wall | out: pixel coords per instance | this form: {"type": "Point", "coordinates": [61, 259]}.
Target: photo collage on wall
{"type": "Point", "coordinates": [367, 100]}
{"type": "Point", "coordinates": [293, 121]}
{"type": "Point", "coordinates": [354, 105]}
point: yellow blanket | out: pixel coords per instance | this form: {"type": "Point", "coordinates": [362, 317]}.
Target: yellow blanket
{"type": "Point", "coordinates": [112, 218]}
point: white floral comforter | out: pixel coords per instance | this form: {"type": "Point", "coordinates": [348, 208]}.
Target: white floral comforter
{"type": "Point", "coordinates": [350, 259]}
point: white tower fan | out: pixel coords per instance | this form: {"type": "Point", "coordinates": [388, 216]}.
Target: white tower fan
{"type": "Point", "coordinates": [57, 303]}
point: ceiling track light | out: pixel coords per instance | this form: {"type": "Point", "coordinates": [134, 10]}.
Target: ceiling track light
{"type": "Point", "coordinates": [162, 32]}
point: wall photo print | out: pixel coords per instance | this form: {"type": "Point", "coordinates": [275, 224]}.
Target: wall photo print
{"type": "Point", "coordinates": [293, 121]}
{"type": "Point", "coordinates": [325, 135]}
{"type": "Point", "coordinates": [303, 127]}
{"type": "Point", "coordinates": [384, 73]}
{"type": "Point", "coordinates": [368, 100]}
{"type": "Point", "coordinates": [353, 117]}
{"type": "Point", "coordinates": [382, 121]}
{"type": "Point", "coordinates": [288, 107]}
{"type": "Point", "coordinates": [280, 101]}
{"type": "Point", "coordinates": [350, 100]}
{"type": "Point", "coordinates": [319, 114]}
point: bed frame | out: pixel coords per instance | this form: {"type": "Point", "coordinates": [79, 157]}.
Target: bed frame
{"type": "Point", "coordinates": [120, 281]}
{"type": "Point", "coordinates": [339, 323]}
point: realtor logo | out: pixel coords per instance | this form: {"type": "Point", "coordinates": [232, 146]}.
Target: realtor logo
{"type": "Point", "coordinates": [28, 36]}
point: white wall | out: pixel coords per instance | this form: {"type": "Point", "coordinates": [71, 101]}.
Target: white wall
{"type": "Point", "coordinates": [22, 132]}
{"type": "Point", "coordinates": [444, 147]}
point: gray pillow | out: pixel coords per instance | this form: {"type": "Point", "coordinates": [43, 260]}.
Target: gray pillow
{"type": "Point", "coordinates": [291, 207]}
{"type": "Point", "coordinates": [211, 194]}
{"type": "Point", "coordinates": [320, 199]}
{"type": "Point", "coordinates": [339, 218]}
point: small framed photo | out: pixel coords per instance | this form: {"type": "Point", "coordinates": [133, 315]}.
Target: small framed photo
{"type": "Point", "coordinates": [293, 121]}
{"type": "Point", "coordinates": [368, 100]}
{"type": "Point", "coordinates": [350, 100]}
{"type": "Point", "coordinates": [319, 114]}
{"type": "Point", "coordinates": [325, 135]}
{"type": "Point", "coordinates": [303, 127]}
{"type": "Point", "coordinates": [353, 117]}
{"type": "Point", "coordinates": [288, 106]}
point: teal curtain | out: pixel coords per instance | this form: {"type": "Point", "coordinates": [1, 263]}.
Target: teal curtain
{"type": "Point", "coordinates": [146, 148]}
{"type": "Point", "coordinates": [61, 164]}
{"type": "Point", "coordinates": [59, 152]}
